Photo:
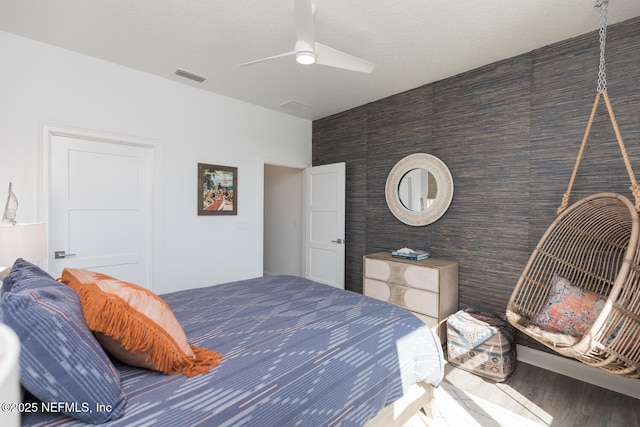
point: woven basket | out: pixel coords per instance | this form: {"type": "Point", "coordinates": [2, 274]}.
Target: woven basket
{"type": "Point", "coordinates": [594, 245]}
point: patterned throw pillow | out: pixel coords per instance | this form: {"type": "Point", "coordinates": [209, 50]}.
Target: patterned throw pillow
{"type": "Point", "coordinates": [136, 326]}
{"type": "Point", "coordinates": [570, 309]}
{"type": "Point", "coordinates": [60, 360]}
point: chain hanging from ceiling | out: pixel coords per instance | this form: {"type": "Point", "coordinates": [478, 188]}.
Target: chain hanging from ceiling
{"type": "Point", "coordinates": [602, 73]}
{"type": "Point", "coordinates": [602, 93]}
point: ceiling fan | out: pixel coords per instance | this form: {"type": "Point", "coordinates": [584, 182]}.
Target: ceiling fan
{"type": "Point", "coordinates": [307, 51]}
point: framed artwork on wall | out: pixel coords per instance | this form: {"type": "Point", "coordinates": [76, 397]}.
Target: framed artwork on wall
{"type": "Point", "coordinates": [217, 190]}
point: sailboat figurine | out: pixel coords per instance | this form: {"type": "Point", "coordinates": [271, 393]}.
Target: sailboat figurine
{"type": "Point", "coordinates": [11, 207]}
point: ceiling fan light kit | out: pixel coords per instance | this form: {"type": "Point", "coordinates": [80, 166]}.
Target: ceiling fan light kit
{"type": "Point", "coordinates": [305, 58]}
{"type": "Point", "coordinates": [307, 51]}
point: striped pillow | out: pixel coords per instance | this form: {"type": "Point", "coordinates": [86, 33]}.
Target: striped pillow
{"type": "Point", "coordinates": [60, 359]}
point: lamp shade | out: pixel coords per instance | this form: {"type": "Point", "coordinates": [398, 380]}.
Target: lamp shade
{"type": "Point", "coordinates": [27, 240]}
{"type": "Point", "coordinates": [9, 374]}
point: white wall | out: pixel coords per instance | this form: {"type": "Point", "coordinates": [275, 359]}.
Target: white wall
{"type": "Point", "coordinates": [283, 218]}
{"type": "Point", "coordinates": [44, 84]}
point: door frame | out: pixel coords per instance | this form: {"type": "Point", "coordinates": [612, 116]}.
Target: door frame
{"type": "Point", "coordinates": [48, 130]}
{"type": "Point", "coordinates": [260, 214]}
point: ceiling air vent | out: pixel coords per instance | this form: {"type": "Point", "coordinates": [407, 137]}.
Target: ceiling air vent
{"type": "Point", "coordinates": [294, 105]}
{"type": "Point", "coordinates": [188, 75]}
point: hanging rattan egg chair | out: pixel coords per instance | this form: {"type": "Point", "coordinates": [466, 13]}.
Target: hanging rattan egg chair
{"type": "Point", "coordinates": [594, 246]}
{"type": "Point", "coordinates": [579, 294]}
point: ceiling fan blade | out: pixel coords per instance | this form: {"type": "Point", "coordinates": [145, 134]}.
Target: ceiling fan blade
{"type": "Point", "coordinates": [304, 23]}
{"type": "Point", "coordinates": [267, 59]}
{"type": "Point", "coordinates": [331, 57]}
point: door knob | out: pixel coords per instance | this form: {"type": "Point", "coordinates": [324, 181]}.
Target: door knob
{"type": "Point", "coordinates": [61, 254]}
{"type": "Point", "coordinates": [339, 241]}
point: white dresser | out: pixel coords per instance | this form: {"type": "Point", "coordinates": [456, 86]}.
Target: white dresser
{"type": "Point", "coordinates": [428, 288]}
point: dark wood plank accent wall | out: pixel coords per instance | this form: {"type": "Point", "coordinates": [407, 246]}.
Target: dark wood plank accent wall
{"type": "Point", "coordinates": [510, 133]}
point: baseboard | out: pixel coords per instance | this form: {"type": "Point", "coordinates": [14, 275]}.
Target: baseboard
{"type": "Point", "coordinates": [580, 371]}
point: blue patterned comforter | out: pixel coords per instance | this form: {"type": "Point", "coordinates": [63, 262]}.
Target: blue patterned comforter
{"type": "Point", "coordinates": [296, 353]}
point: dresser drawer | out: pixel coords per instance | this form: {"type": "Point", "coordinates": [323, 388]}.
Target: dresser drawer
{"type": "Point", "coordinates": [415, 276]}
{"type": "Point", "coordinates": [440, 328]}
{"type": "Point", "coordinates": [418, 300]}
{"type": "Point", "coordinates": [431, 322]}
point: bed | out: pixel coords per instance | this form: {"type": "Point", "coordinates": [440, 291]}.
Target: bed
{"type": "Point", "coordinates": [295, 353]}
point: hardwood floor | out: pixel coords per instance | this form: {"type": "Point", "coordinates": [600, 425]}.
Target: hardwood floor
{"type": "Point", "coordinates": [531, 396]}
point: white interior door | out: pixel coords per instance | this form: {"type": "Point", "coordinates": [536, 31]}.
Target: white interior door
{"type": "Point", "coordinates": [99, 206]}
{"type": "Point", "coordinates": [324, 245]}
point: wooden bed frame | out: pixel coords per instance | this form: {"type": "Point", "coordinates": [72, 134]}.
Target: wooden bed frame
{"type": "Point", "coordinates": [419, 396]}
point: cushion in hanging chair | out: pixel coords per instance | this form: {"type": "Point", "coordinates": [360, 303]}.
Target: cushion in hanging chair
{"type": "Point", "coordinates": [570, 309]}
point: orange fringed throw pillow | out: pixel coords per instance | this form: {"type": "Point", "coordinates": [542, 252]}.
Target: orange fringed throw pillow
{"type": "Point", "coordinates": [136, 326]}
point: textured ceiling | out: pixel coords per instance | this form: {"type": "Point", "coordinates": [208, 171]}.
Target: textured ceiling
{"type": "Point", "coordinates": [412, 42]}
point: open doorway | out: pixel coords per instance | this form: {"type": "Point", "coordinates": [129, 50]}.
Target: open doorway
{"type": "Point", "coordinates": [283, 220]}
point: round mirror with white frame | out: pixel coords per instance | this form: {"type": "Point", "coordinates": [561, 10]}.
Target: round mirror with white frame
{"type": "Point", "coordinates": [419, 189]}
